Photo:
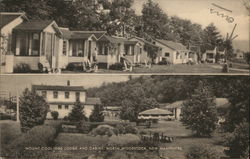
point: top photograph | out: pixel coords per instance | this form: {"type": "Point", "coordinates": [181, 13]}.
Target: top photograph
{"type": "Point", "coordinates": [125, 36]}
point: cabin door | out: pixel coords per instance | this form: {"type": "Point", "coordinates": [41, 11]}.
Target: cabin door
{"type": "Point", "coordinates": [89, 51]}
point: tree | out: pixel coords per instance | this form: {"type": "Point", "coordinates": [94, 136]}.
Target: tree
{"type": "Point", "coordinates": [247, 57]}
{"type": "Point", "coordinates": [154, 20]}
{"type": "Point", "coordinates": [33, 110]}
{"type": "Point", "coordinates": [238, 142]}
{"type": "Point", "coordinates": [97, 115]}
{"type": "Point", "coordinates": [199, 112]}
{"type": "Point", "coordinates": [55, 115]}
{"type": "Point", "coordinates": [77, 113]}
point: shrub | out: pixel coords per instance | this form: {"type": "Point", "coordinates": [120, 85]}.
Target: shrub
{"type": "Point", "coordinates": [202, 151]}
{"type": "Point", "coordinates": [38, 136]}
{"type": "Point", "coordinates": [116, 66]}
{"type": "Point", "coordinates": [4, 116]}
{"type": "Point", "coordinates": [166, 62]}
{"type": "Point", "coordinates": [225, 68]}
{"type": "Point", "coordinates": [102, 65]}
{"type": "Point", "coordinates": [75, 66]}
{"type": "Point", "coordinates": [55, 115]}
{"type": "Point", "coordinates": [126, 139]}
{"type": "Point", "coordinates": [97, 115]}
{"type": "Point", "coordinates": [22, 68]}
{"type": "Point", "coordinates": [126, 128]}
{"type": "Point", "coordinates": [103, 130]}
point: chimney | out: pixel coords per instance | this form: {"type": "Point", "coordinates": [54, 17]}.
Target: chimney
{"type": "Point", "coordinates": [68, 83]}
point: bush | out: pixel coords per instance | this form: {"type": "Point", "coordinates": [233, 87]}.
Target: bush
{"type": "Point", "coordinates": [55, 115]}
{"type": "Point", "coordinates": [202, 151]}
{"type": "Point", "coordinates": [75, 66]}
{"type": "Point", "coordinates": [4, 116]}
{"type": "Point", "coordinates": [126, 139]}
{"type": "Point", "coordinates": [116, 66]}
{"type": "Point", "coordinates": [103, 130]}
{"type": "Point", "coordinates": [38, 136]}
{"type": "Point", "coordinates": [225, 69]}
{"type": "Point", "coordinates": [166, 62]}
{"type": "Point", "coordinates": [126, 128]}
{"type": "Point", "coordinates": [22, 68]}
{"type": "Point", "coordinates": [102, 65]}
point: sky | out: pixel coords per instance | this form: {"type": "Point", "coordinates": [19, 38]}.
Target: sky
{"type": "Point", "coordinates": [198, 11]}
{"type": "Point", "coordinates": [17, 83]}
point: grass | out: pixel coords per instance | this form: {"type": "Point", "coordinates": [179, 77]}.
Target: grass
{"type": "Point", "coordinates": [178, 68]}
{"type": "Point", "coordinates": [182, 139]}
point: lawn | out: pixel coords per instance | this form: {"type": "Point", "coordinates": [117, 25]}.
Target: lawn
{"type": "Point", "coordinates": [182, 139]}
{"type": "Point", "coordinates": [178, 68]}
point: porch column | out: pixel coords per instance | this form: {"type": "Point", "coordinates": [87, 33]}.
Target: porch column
{"type": "Point", "coordinates": [30, 43]}
{"type": "Point", "coordinates": [102, 48]}
{"type": "Point", "coordinates": [130, 50]}
{"type": "Point", "coordinates": [18, 44]}
{"type": "Point", "coordinates": [41, 44]}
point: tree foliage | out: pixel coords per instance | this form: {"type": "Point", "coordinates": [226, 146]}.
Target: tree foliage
{"type": "Point", "coordinates": [199, 112]}
{"type": "Point", "coordinates": [97, 114]}
{"type": "Point", "coordinates": [77, 113]}
{"type": "Point", "coordinates": [33, 110]}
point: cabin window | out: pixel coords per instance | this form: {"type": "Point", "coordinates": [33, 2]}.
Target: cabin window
{"type": "Point", "coordinates": [177, 55]}
{"type": "Point", "coordinates": [59, 106]}
{"type": "Point", "coordinates": [67, 95]}
{"type": "Point", "coordinates": [24, 44]}
{"type": "Point", "coordinates": [66, 107]}
{"type": "Point", "coordinates": [55, 94]}
{"type": "Point", "coordinates": [64, 47]}
{"type": "Point", "coordinates": [44, 94]}
{"type": "Point", "coordinates": [140, 50]}
{"type": "Point", "coordinates": [106, 49]}
{"type": "Point", "coordinates": [35, 44]}
{"type": "Point", "coordinates": [78, 48]}
{"type": "Point", "coordinates": [167, 54]}
{"type": "Point", "coordinates": [77, 95]}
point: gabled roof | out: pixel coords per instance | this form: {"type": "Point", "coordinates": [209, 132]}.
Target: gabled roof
{"type": "Point", "coordinates": [155, 111]}
{"type": "Point", "coordinates": [144, 41]}
{"type": "Point", "coordinates": [172, 45]}
{"type": "Point", "coordinates": [112, 39]}
{"type": "Point", "coordinates": [37, 25]}
{"type": "Point", "coordinates": [177, 104]}
{"type": "Point", "coordinates": [93, 101]}
{"type": "Point", "coordinates": [58, 88]}
{"type": "Point", "coordinates": [7, 17]}
{"type": "Point", "coordinates": [77, 34]}
{"type": "Point", "coordinates": [130, 42]}
{"type": "Point", "coordinates": [34, 25]}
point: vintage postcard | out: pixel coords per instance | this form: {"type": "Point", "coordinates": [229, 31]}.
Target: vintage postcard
{"type": "Point", "coordinates": [125, 36]}
{"type": "Point", "coordinates": [124, 79]}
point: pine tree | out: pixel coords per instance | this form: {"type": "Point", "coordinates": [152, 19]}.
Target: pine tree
{"type": "Point", "coordinates": [77, 113]}
{"type": "Point", "coordinates": [33, 110]}
{"type": "Point", "coordinates": [199, 112]}
{"type": "Point", "coordinates": [97, 115]}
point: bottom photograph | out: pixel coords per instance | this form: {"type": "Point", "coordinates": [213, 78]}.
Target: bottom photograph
{"type": "Point", "coordinates": [124, 116]}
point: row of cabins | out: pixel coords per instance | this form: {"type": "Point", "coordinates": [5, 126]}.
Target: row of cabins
{"type": "Point", "coordinates": [35, 41]}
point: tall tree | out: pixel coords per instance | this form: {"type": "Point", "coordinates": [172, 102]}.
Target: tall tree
{"type": "Point", "coordinates": [211, 37]}
{"type": "Point", "coordinates": [33, 110]}
{"type": "Point", "coordinates": [199, 112]}
{"type": "Point", "coordinates": [77, 113]}
{"type": "Point", "coordinates": [154, 20]}
{"type": "Point", "coordinates": [97, 114]}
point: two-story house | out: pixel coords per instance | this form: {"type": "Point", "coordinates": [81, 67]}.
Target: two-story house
{"type": "Point", "coordinates": [62, 98]}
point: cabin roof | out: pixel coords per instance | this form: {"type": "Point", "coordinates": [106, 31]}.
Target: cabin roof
{"type": "Point", "coordinates": [172, 45]}
{"type": "Point", "coordinates": [7, 17]}
{"type": "Point", "coordinates": [145, 41]}
{"type": "Point", "coordinates": [58, 88]}
{"type": "Point", "coordinates": [34, 25]}
{"type": "Point", "coordinates": [77, 34]}
{"type": "Point", "coordinates": [112, 39]}
{"type": "Point", "coordinates": [93, 101]}
{"type": "Point", "coordinates": [130, 42]}
{"type": "Point", "coordinates": [155, 111]}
